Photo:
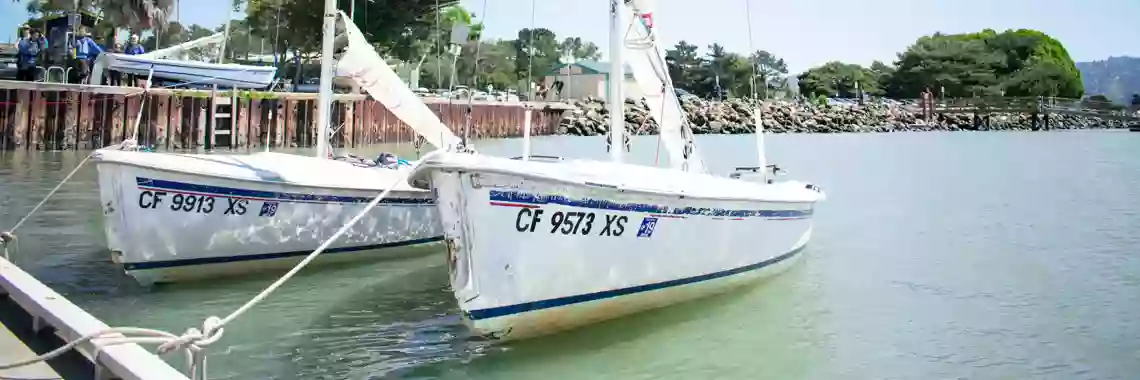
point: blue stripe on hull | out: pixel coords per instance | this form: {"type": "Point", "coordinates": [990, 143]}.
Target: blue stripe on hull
{"type": "Point", "coordinates": [271, 195]}
{"type": "Point", "coordinates": [268, 256]}
{"type": "Point", "coordinates": [604, 204]}
{"type": "Point", "coordinates": [503, 311]}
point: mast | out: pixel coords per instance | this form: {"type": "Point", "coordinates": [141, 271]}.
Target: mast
{"type": "Point", "coordinates": [324, 100]}
{"type": "Point", "coordinates": [761, 158]}
{"type": "Point", "coordinates": [617, 76]}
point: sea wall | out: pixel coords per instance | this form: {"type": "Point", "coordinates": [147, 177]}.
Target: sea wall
{"type": "Point", "coordinates": [590, 117]}
{"type": "Point", "coordinates": [50, 116]}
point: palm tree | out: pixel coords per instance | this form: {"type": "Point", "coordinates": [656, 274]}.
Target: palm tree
{"type": "Point", "coordinates": [134, 14]}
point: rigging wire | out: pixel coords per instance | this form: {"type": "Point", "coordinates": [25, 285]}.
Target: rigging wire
{"type": "Point", "coordinates": [438, 53]}
{"type": "Point", "coordinates": [751, 59]}
{"type": "Point", "coordinates": [530, 52]}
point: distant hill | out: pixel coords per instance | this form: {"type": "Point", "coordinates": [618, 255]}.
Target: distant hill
{"type": "Point", "coordinates": [1117, 78]}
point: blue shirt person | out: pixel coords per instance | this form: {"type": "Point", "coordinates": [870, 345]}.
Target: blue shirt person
{"type": "Point", "coordinates": [86, 50]}
{"type": "Point", "coordinates": [29, 48]}
{"type": "Point", "coordinates": [133, 46]}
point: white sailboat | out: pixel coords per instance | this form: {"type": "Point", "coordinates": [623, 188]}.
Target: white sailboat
{"type": "Point", "coordinates": [166, 64]}
{"type": "Point", "coordinates": [171, 217]}
{"type": "Point", "coordinates": [539, 246]}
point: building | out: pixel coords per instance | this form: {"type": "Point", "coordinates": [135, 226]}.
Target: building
{"type": "Point", "coordinates": [587, 78]}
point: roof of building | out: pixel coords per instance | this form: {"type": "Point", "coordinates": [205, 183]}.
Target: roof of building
{"type": "Point", "coordinates": [590, 67]}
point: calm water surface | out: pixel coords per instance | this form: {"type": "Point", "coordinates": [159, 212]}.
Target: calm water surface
{"type": "Point", "coordinates": [938, 255]}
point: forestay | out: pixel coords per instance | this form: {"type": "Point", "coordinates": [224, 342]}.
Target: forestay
{"type": "Point", "coordinates": [647, 61]}
{"type": "Point", "coordinates": [361, 62]}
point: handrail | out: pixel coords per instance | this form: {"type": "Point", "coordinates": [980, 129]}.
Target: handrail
{"type": "Point", "coordinates": [63, 74]}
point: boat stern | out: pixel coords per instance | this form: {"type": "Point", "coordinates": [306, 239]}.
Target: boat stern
{"type": "Point", "coordinates": [110, 176]}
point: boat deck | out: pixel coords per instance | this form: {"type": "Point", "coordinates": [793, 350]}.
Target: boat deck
{"type": "Point", "coordinates": [12, 350]}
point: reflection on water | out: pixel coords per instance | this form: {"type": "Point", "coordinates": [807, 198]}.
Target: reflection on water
{"type": "Point", "coordinates": [938, 255]}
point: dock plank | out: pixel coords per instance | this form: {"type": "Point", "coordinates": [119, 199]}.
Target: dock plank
{"type": "Point", "coordinates": [13, 350]}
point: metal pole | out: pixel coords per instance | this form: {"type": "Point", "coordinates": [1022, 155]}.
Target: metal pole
{"type": "Point", "coordinates": [526, 135]}
{"type": "Point", "coordinates": [617, 76]}
{"type": "Point", "coordinates": [325, 99]}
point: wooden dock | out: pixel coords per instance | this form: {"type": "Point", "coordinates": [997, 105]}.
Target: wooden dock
{"type": "Point", "coordinates": [57, 116]}
{"type": "Point", "coordinates": [12, 350]}
{"type": "Point", "coordinates": [37, 320]}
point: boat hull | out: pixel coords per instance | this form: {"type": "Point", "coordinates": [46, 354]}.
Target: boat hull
{"type": "Point", "coordinates": [227, 75]}
{"type": "Point", "coordinates": [631, 251]}
{"type": "Point", "coordinates": [165, 226]}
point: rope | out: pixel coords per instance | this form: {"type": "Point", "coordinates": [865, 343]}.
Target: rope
{"type": "Point", "coordinates": [195, 340]}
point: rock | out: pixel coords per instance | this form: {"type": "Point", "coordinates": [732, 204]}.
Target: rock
{"type": "Point", "coordinates": [590, 117]}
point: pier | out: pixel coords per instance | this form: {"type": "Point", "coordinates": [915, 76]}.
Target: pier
{"type": "Point", "coordinates": [35, 320]}
{"type": "Point", "coordinates": [1039, 107]}
{"type": "Point", "coordinates": [57, 116]}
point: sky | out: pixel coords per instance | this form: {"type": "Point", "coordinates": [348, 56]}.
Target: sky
{"type": "Point", "coordinates": [806, 33]}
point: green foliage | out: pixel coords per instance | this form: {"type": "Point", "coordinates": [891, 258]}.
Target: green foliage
{"type": "Point", "coordinates": [838, 79]}
{"type": "Point", "coordinates": [1136, 99]}
{"type": "Point", "coordinates": [1013, 63]}
{"type": "Point", "coordinates": [397, 27]}
{"type": "Point", "coordinates": [536, 51]}
{"type": "Point", "coordinates": [732, 74]}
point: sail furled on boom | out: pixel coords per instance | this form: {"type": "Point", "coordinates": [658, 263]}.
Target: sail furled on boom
{"type": "Point", "coordinates": [647, 61]}
{"type": "Point", "coordinates": [359, 61]}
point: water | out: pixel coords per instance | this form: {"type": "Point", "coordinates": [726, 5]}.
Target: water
{"type": "Point", "coordinates": [938, 255]}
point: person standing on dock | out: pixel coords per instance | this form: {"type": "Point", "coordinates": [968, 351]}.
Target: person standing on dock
{"type": "Point", "coordinates": [86, 50]}
{"type": "Point", "coordinates": [115, 77]}
{"type": "Point", "coordinates": [133, 48]}
{"type": "Point", "coordinates": [30, 46]}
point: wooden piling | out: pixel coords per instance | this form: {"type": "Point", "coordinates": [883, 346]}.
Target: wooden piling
{"type": "Point", "coordinates": [241, 122]}
{"type": "Point", "coordinates": [256, 135]}
{"type": "Point", "coordinates": [71, 120]}
{"type": "Point", "coordinates": [161, 118]}
{"type": "Point", "coordinates": [86, 136]}
{"type": "Point", "coordinates": [36, 115]}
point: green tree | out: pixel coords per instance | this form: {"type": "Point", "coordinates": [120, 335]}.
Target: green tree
{"type": "Point", "coordinates": [959, 65]}
{"type": "Point", "coordinates": [536, 52]}
{"type": "Point", "coordinates": [579, 49]}
{"type": "Point", "coordinates": [684, 63]}
{"type": "Point", "coordinates": [395, 27]}
{"type": "Point", "coordinates": [770, 72]}
{"type": "Point", "coordinates": [1136, 99]}
{"type": "Point", "coordinates": [496, 64]}
{"type": "Point", "coordinates": [1015, 63]}
{"type": "Point", "coordinates": [881, 74]}
{"type": "Point", "coordinates": [136, 15]}
{"type": "Point", "coordinates": [838, 79]}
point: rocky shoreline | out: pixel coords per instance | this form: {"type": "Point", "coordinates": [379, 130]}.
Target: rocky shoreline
{"type": "Point", "coordinates": [590, 117]}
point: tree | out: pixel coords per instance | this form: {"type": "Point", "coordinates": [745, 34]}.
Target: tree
{"type": "Point", "coordinates": [881, 74]}
{"type": "Point", "coordinates": [837, 79]}
{"type": "Point", "coordinates": [136, 15]}
{"type": "Point", "coordinates": [684, 63]}
{"type": "Point", "coordinates": [579, 49]}
{"type": "Point", "coordinates": [1014, 63]}
{"type": "Point", "coordinates": [536, 52]}
{"type": "Point", "coordinates": [1136, 99]}
{"type": "Point", "coordinates": [959, 66]}
{"type": "Point", "coordinates": [770, 72]}
{"type": "Point", "coordinates": [394, 26]}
